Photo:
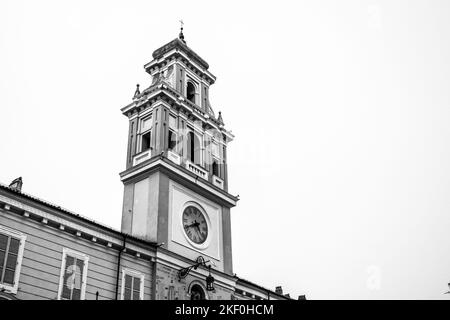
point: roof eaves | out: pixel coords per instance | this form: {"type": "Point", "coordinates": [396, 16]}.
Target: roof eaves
{"type": "Point", "coordinates": [262, 288]}
{"type": "Point", "coordinates": [73, 214]}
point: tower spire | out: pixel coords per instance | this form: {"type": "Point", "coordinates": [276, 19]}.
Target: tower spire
{"type": "Point", "coordinates": [181, 35]}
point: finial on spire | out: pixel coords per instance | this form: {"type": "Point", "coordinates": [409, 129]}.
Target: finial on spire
{"type": "Point", "coordinates": [181, 35]}
{"type": "Point", "coordinates": [137, 92]}
{"type": "Point", "coordinates": [219, 119]}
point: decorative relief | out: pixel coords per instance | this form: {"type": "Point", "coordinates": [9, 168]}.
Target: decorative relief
{"type": "Point", "coordinates": [168, 77]}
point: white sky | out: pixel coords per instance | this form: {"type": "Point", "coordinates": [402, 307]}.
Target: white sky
{"type": "Point", "coordinates": [340, 109]}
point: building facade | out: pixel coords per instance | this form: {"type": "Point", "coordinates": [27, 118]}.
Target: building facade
{"type": "Point", "coordinates": [175, 239]}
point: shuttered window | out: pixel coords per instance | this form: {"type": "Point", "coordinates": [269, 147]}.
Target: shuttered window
{"type": "Point", "coordinates": [132, 285]}
{"type": "Point", "coordinates": [11, 252]}
{"type": "Point", "coordinates": [73, 276]}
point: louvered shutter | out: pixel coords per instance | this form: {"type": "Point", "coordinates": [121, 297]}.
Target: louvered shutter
{"type": "Point", "coordinates": [128, 287]}
{"type": "Point", "coordinates": [11, 262]}
{"type": "Point", "coordinates": [136, 288]}
{"type": "Point", "coordinates": [3, 246]}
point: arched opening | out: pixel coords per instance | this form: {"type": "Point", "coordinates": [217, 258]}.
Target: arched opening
{"type": "Point", "coordinates": [7, 296]}
{"type": "Point", "coordinates": [193, 148]}
{"type": "Point", "coordinates": [190, 92]}
{"type": "Point", "coordinates": [190, 146]}
{"type": "Point", "coordinates": [197, 293]}
{"type": "Point", "coordinates": [215, 168]}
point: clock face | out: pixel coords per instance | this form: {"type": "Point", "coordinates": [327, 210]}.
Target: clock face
{"type": "Point", "coordinates": [194, 225]}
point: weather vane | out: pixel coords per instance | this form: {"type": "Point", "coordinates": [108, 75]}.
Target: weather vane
{"type": "Point", "coordinates": [181, 35]}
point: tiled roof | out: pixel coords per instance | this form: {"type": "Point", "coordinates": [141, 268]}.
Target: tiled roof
{"type": "Point", "coordinates": [72, 214]}
{"type": "Point", "coordinates": [98, 224]}
{"type": "Point", "coordinates": [272, 293]}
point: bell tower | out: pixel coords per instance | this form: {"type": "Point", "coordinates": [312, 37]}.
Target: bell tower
{"type": "Point", "coordinates": [176, 178]}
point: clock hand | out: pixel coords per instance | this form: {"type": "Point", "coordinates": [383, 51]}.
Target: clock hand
{"type": "Point", "coordinates": [195, 224]}
{"type": "Point", "coordinates": [198, 228]}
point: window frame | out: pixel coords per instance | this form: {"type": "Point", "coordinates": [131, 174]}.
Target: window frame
{"type": "Point", "coordinates": [77, 255]}
{"type": "Point", "coordinates": [22, 238]}
{"type": "Point", "coordinates": [172, 134]}
{"type": "Point", "coordinates": [133, 274]}
{"type": "Point", "coordinates": [201, 147]}
{"type": "Point", "coordinates": [173, 130]}
{"type": "Point", "coordinates": [201, 286]}
{"type": "Point", "coordinates": [196, 86]}
{"type": "Point", "coordinates": [141, 133]}
{"type": "Point", "coordinates": [215, 144]}
{"type": "Point", "coordinates": [217, 162]}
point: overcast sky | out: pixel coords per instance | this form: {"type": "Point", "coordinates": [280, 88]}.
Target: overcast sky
{"type": "Point", "coordinates": [340, 109]}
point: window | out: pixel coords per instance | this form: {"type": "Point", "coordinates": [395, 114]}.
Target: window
{"type": "Point", "coordinates": [145, 141]}
{"type": "Point", "coordinates": [215, 168]}
{"type": "Point", "coordinates": [11, 253]}
{"type": "Point", "coordinates": [193, 148]}
{"type": "Point", "coordinates": [72, 281]}
{"type": "Point", "coordinates": [190, 92]}
{"type": "Point", "coordinates": [215, 149]}
{"type": "Point", "coordinates": [197, 293]}
{"type": "Point", "coordinates": [146, 127]}
{"type": "Point", "coordinates": [172, 137]}
{"type": "Point", "coordinates": [146, 124]}
{"type": "Point", "coordinates": [172, 140]}
{"type": "Point", "coordinates": [190, 146]}
{"type": "Point", "coordinates": [132, 285]}
{"type": "Point", "coordinates": [172, 122]}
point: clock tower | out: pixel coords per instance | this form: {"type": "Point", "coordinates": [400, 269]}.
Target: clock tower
{"type": "Point", "coordinates": [176, 178]}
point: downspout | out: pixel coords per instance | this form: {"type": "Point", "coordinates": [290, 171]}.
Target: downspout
{"type": "Point", "coordinates": [153, 272]}
{"type": "Point", "coordinates": [118, 265]}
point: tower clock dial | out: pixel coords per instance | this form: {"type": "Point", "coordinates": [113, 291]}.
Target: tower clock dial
{"type": "Point", "coordinates": [195, 225]}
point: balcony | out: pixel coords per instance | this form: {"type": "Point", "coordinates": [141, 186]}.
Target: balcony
{"type": "Point", "coordinates": [141, 157]}
{"type": "Point", "coordinates": [202, 173]}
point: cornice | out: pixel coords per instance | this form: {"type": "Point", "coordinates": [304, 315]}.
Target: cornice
{"type": "Point", "coordinates": [175, 171]}
{"type": "Point", "coordinates": [163, 92]}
